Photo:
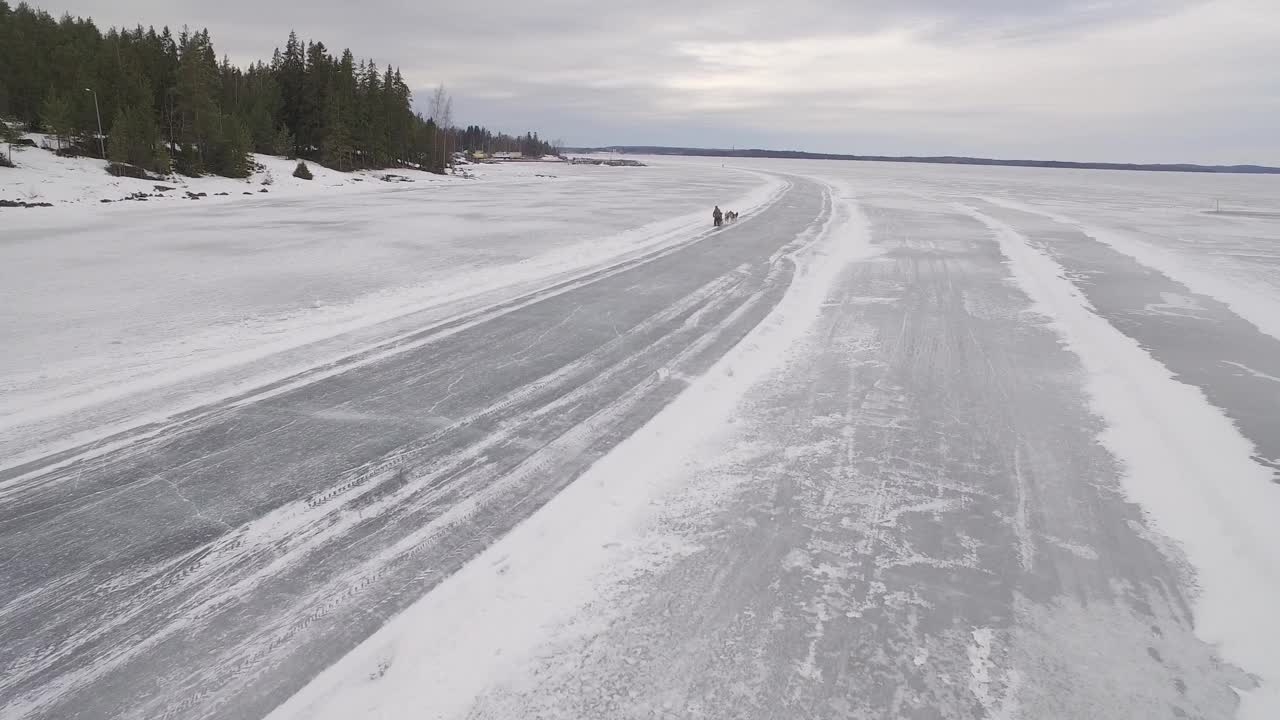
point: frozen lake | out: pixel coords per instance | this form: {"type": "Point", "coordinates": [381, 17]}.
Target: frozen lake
{"type": "Point", "coordinates": [905, 441]}
{"type": "Point", "coordinates": [119, 311]}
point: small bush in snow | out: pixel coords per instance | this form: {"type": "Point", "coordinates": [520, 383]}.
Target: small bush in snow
{"type": "Point", "coordinates": [4, 159]}
{"type": "Point", "coordinates": [268, 178]}
{"type": "Point", "coordinates": [302, 171]}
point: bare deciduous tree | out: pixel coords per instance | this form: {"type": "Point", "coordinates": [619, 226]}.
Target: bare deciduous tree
{"type": "Point", "coordinates": [441, 111]}
{"type": "Point", "coordinates": [441, 107]}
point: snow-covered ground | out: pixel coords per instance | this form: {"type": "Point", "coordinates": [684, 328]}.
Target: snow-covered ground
{"type": "Point", "coordinates": [40, 176]}
{"type": "Point", "coordinates": [1006, 447]}
{"type": "Point", "coordinates": [551, 621]}
{"type": "Point", "coordinates": [125, 312]}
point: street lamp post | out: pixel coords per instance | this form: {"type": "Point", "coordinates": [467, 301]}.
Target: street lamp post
{"type": "Point", "coordinates": [102, 148]}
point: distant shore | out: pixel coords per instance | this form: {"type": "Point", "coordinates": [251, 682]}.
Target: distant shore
{"type": "Point", "coordinates": [937, 160]}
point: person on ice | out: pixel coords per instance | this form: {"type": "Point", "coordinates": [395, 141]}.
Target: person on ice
{"type": "Point", "coordinates": [717, 217]}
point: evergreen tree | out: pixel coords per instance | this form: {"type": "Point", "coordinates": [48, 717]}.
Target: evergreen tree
{"type": "Point", "coordinates": [264, 108]}
{"type": "Point", "coordinates": [315, 86]}
{"type": "Point", "coordinates": [304, 103]}
{"type": "Point", "coordinates": [374, 120]}
{"type": "Point", "coordinates": [289, 70]}
{"type": "Point", "coordinates": [119, 139]}
{"type": "Point", "coordinates": [197, 117]}
{"type": "Point", "coordinates": [232, 154]}
{"type": "Point", "coordinates": [55, 117]}
{"type": "Point", "coordinates": [283, 143]}
{"type": "Point", "coordinates": [135, 140]}
{"type": "Point", "coordinates": [337, 148]}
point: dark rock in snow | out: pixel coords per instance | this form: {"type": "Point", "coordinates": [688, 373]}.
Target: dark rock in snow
{"type": "Point", "coordinates": [23, 204]}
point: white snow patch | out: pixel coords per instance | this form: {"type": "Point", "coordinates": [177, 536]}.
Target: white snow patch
{"type": "Point", "coordinates": [1080, 550]}
{"type": "Point", "coordinates": [980, 665]}
{"type": "Point", "coordinates": [481, 625]}
{"type": "Point", "coordinates": [997, 705]}
{"type": "Point", "coordinates": [1185, 464]}
{"type": "Point", "coordinates": [797, 559]}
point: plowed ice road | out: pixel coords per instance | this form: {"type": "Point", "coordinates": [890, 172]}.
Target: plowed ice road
{"type": "Point", "coordinates": [902, 442]}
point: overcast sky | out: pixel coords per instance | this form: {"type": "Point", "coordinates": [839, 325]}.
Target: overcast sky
{"type": "Point", "coordinates": [1124, 80]}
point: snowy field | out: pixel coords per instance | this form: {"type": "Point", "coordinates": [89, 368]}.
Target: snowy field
{"type": "Point", "coordinates": [125, 312]}
{"type": "Point", "coordinates": [906, 441]}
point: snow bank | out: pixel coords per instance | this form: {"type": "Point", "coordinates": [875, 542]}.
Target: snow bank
{"type": "Point", "coordinates": [1185, 464]}
{"type": "Point", "coordinates": [489, 619]}
{"type": "Point", "coordinates": [42, 176]}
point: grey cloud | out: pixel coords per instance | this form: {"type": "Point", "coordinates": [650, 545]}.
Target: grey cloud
{"type": "Point", "coordinates": [1074, 79]}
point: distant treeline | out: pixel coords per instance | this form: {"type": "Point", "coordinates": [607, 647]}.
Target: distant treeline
{"type": "Point", "coordinates": [945, 160]}
{"type": "Point", "coordinates": [166, 102]}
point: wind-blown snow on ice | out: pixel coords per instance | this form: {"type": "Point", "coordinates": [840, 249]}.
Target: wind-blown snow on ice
{"type": "Point", "coordinates": [1185, 464]}
{"type": "Point", "coordinates": [235, 292]}
{"type": "Point", "coordinates": [1246, 278]}
{"type": "Point", "coordinates": [123, 313]}
{"type": "Point", "coordinates": [508, 602]}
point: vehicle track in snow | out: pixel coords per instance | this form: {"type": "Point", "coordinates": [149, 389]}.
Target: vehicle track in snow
{"type": "Point", "coordinates": [914, 520]}
{"type": "Point", "coordinates": [212, 565]}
